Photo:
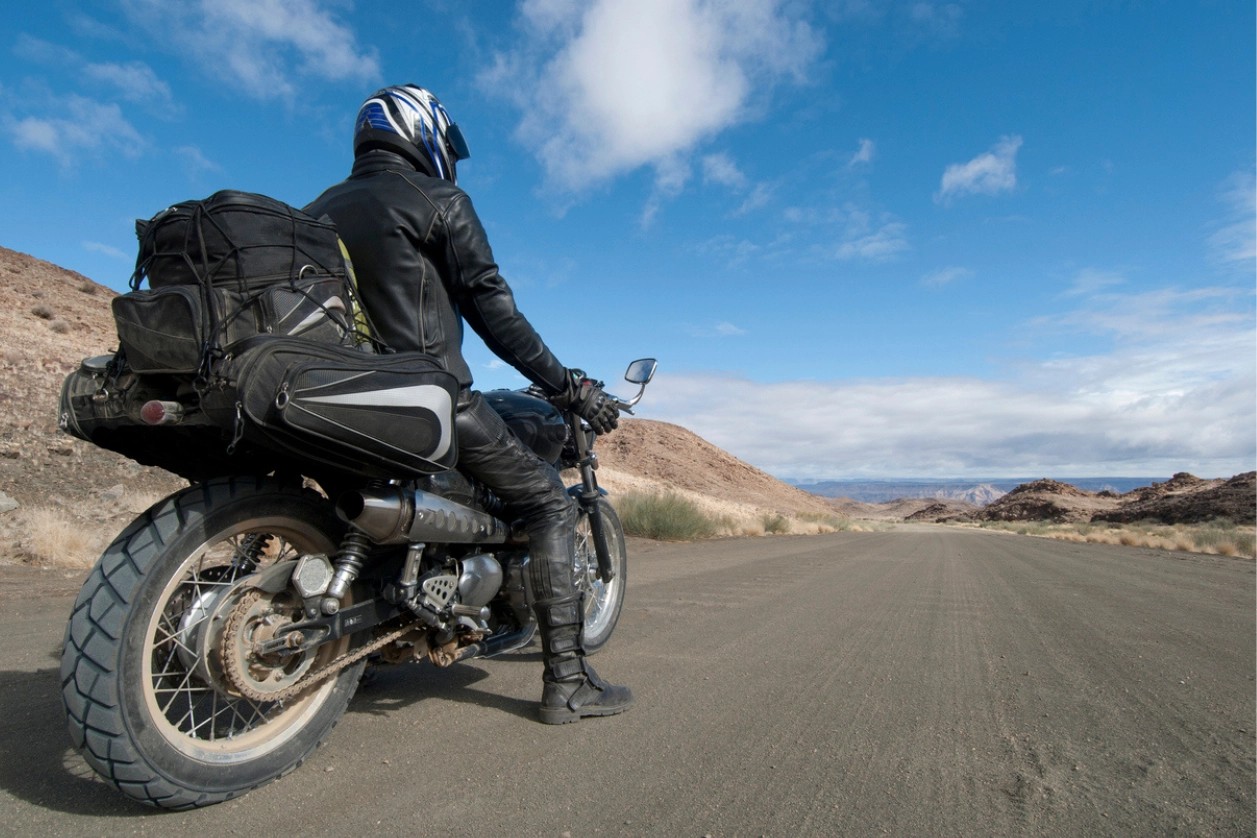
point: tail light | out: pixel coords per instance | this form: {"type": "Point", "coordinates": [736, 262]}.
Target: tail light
{"type": "Point", "coordinates": [157, 412]}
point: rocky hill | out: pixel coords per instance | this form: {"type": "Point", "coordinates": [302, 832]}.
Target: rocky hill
{"type": "Point", "coordinates": [1188, 499]}
{"type": "Point", "coordinates": [51, 319]}
{"type": "Point", "coordinates": [659, 456]}
{"type": "Point", "coordinates": [1184, 499]}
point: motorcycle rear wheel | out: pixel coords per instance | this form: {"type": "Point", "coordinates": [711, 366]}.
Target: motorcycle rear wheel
{"type": "Point", "coordinates": [603, 600]}
{"type": "Point", "coordinates": [146, 706]}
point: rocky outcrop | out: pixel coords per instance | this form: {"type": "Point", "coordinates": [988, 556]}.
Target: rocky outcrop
{"type": "Point", "coordinates": [1185, 499]}
{"type": "Point", "coordinates": [1046, 500]}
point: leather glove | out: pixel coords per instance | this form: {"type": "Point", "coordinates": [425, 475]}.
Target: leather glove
{"type": "Point", "coordinates": [587, 398]}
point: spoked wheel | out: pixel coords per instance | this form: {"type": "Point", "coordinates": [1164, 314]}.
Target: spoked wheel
{"type": "Point", "coordinates": [163, 690]}
{"type": "Point", "coordinates": [603, 600]}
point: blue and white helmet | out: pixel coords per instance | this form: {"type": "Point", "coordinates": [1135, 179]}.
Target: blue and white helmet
{"type": "Point", "coordinates": [409, 120]}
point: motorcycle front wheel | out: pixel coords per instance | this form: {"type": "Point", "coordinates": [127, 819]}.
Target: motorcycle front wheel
{"type": "Point", "coordinates": [146, 699]}
{"type": "Point", "coordinates": [603, 600]}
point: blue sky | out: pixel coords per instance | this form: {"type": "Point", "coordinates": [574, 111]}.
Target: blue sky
{"type": "Point", "coordinates": [864, 239]}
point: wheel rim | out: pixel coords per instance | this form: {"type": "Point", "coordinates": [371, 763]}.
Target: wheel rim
{"type": "Point", "coordinates": [187, 703]}
{"type": "Point", "coordinates": [599, 596]}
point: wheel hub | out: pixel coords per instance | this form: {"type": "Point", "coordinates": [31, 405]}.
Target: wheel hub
{"type": "Point", "coordinates": [256, 619]}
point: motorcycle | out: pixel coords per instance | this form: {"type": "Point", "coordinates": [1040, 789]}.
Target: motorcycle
{"type": "Point", "coordinates": [222, 634]}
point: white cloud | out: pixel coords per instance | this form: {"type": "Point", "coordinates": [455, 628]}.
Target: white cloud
{"type": "Point", "coordinates": [196, 160]}
{"type": "Point", "coordinates": [864, 154]}
{"type": "Point", "coordinates": [851, 232]}
{"type": "Point", "coordinates": [671, 175]}
{"type": "Point", "coordinates": [945, 276]}
{"type": "Point", "coordinates": [135, 81]}
{"type": "Point", "coordinates": [259, 46]}
{"type": "Point", "coordinates": [1177, 392]}
{"type": "Point", "coordinates": [872, 240]}
{"type": "Point", "coordinates": [941, 20]}
{"type": "Point", "coordinates": [720, 169]}
{"type": "Point", "coordinates": [723, 329]}
{"type": "Point", "coordinates": [1233, 242]}
{"type": "Point", "coordinates": [634, 82]}
{"type": "Point", "coordinates": [40, 51]}
{"type": "Point", "coordinates": [732, 251]}
{"type": "Point", "coordinates": [989, 173]}
{"type": "Point", "coordinates": [1090, 281]}
{"type": "Point", "coordinates": [80, 126]}
{"type": "Point", "coordinates": [886, 241]}
{"type": "Point", "coordinates": [107, 250]}
{"type": "Point", "coordinates": [759, 196]}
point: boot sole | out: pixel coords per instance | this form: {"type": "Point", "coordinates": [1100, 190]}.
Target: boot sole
{"type": "Point", "coordinates": [563, 716]}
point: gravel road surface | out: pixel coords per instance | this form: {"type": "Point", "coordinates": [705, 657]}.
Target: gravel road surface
{"type": "Point", "coordinates": [926, 681]}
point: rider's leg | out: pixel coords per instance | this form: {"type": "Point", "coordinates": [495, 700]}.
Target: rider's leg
{"type": "Point", "coordinates": [530, 487]}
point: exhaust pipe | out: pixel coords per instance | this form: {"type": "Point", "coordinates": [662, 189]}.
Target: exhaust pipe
{"type": "Point", "coordinates": [393, 515]}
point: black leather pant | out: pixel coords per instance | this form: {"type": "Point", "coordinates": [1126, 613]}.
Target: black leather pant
{"type": "Point", "coordinates": [531, 489]}
{"type": "Point", "coordinates": [488, 451]}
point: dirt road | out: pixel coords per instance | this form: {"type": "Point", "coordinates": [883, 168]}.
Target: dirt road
{"type": "Point", "coordinates": [919, 682]}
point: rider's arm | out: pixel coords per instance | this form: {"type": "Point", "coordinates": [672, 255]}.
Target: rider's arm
{"type": "Point", "coordinates": [486, 301]}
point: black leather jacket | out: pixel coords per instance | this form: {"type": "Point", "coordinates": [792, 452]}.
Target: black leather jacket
{"type": "Point", "coordinates": [423, 264]}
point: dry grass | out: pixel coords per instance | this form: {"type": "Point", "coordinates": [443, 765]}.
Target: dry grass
{"type": "Point", "coordinates": [648, 509]}
{"type": "Point", "coordinates": [1219, 538]}
{"type": "Point", "coordinates": [53, 538]}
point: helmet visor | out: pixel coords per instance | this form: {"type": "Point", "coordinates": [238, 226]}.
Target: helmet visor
{"type": "Point", "coordinates": [456, 143]}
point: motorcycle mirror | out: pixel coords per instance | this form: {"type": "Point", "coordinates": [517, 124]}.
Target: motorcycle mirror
{"type": "Point", "coordinates": [641, 371]}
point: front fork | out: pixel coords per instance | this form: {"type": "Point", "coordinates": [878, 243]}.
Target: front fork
{"type": "Point", "coordinates": [588, 496]}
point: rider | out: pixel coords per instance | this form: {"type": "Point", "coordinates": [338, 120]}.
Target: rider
{"type": "Point", "coordinates": [423, 265]}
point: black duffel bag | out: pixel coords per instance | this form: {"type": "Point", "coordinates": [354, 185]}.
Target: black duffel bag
{"type": "Point", "coordinates": [387, 416]}
{"type": "Point", "coordinates": [227, 268]}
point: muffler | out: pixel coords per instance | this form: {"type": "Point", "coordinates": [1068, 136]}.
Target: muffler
{"type": "Point", "coordinates": [395, 515]}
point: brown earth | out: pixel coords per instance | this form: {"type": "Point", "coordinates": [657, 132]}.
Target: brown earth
{"type": "Point", "coordinates": [670, 456]}
{"type": "Point", "coordinates": [51, 318]}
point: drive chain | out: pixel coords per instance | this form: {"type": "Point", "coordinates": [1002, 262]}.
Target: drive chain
{"type": "Point", "coordinates": [238, 679]}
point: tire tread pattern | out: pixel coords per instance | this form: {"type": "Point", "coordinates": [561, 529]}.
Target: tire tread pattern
{"type": "Point", "coordinates": [90, 662]}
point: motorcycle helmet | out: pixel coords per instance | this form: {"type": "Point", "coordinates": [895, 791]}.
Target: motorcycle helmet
{"type": "Point", "coordinates": [410, 121]}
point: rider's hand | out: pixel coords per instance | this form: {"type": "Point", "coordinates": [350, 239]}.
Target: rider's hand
{"type": "Point", "coordinates": [587, 398]}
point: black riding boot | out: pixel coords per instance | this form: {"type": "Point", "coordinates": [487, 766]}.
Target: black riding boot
{"type": "Point", "coordinates": [571, 688]}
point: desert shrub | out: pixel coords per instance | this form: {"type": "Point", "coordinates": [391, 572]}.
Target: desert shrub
{"type": "Point", "coordinates": [774, 524]}
{"type": "Point", "coordinates": [1224, 538]}
{"type": "Point", "coordinates": [88, 287]}
{"type": "Point", "coordinates": [59, 326]}
{"type": "Point", "coordinates": [666, 517]}
{"type": "Point", "coordinates": [833, 523]}
{"type": "Point", "coordinates": [54, 539]}
{"type": "Point", "coordinates": [1221, 537]}
{"type": "Point", "coordinates": [43, 311]}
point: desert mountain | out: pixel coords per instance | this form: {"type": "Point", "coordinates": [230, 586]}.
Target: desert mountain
{"type": "Point", "coordinates": [1183, 499]}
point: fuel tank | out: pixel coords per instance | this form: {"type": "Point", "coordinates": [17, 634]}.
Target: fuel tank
{"type": "Point", "coordinates": [535, 421]}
